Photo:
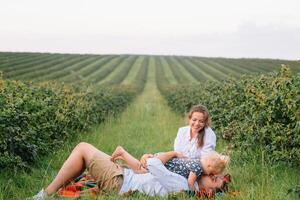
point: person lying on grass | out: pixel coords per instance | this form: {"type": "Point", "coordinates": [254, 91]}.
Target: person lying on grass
{"type": "Point", "coordinates": [211, 164]}
{"type": "Point", "coordinates": [112, 178]}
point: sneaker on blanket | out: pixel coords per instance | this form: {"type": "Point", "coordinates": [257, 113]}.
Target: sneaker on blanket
{"type": "Point", "coordinates": [39, 196]}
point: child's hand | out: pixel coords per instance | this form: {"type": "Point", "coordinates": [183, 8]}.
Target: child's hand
{"type": "Point", "coordinates": [144, 158]}
{"type": "Point", "coordinates": [143, 169]}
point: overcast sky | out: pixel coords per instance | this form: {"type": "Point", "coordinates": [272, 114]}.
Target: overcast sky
{"type": "Point", "coordinates": [223, 28]}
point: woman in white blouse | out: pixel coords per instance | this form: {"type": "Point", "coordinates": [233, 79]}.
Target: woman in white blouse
{"type": "Point", "coordinates": [197, 138]}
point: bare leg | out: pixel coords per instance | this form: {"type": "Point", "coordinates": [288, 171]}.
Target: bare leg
{"type": "Point", "coordinates": [76, 163]}
{"type": "Point", "coordinates": [132, 162]}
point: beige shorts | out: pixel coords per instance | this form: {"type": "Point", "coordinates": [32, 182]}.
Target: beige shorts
{"type": "Point", "coordinates": [108, 174]}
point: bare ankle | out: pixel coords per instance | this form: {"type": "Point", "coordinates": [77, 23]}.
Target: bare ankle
{"type": "Point", "coordinates": [46, 190]}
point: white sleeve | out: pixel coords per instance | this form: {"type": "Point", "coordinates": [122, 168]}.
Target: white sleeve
{"type": "Point", "coordinates": [209, 141]}
{"type": "Point", "coordinates": [170, 181]}
{"type": "Point", "coordinates": [178, 141]}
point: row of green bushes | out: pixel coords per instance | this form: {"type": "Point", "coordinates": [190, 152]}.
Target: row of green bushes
{"type": "Point", "coordinates": [259, 112]}
{"type": "Point", "coordinates": [36, 118]}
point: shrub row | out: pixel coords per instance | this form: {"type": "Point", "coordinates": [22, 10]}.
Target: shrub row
{"type": "Point", "coordinates": [255, 112]}
{"type": "Point", "coordinates": [36, 118]}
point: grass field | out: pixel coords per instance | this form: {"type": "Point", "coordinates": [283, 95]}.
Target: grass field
{"type": "Point", "coordinates": [113, 69]}
{"type": "Point", "coordinates": [147, 125]}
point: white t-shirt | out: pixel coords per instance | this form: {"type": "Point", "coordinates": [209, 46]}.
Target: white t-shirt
{"type": "Point", "coordinates": [189, 147]}
{"type": "Point", "coordinates": [159, 181]}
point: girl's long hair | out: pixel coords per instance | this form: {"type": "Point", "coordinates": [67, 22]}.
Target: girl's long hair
{"type": "Point", "coordinates": [201, 109]}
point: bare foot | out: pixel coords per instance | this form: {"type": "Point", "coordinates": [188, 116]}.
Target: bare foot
{"type": "Point", "coordinates": [117, 154]}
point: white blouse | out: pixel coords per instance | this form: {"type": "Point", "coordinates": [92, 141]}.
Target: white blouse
{"type": "Point", "coordinates": [189, 147]}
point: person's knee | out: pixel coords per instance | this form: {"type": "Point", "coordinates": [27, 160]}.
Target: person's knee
{"type": "Point", "coordinates": [82, 146]}
{"type": "Point", "coordinates": [85, 150]}
{"type": "Point", "coordinates": [120, 148]}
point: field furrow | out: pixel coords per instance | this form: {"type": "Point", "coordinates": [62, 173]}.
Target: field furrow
{"type": "Point", "coordinates": [196, 73]}
{"type": "Point", "coordinates": [203, 73]}
{"type": "Point", "coordinates": [233, 66]}
{"type": "Point", "coordinates": [35, 66]}
{"type": "Point", "coordinates": [168, 73]}
{"type": "Point", "coordinates": [73, 73]}
{"type": "Point", "coordinates": [135, 69]}
{"type": "Point", "coordinates": [28, 63]}
{"type": "Point", "coordinates": [160, 74]}
{"type": "Point", "coordinates": [105, 70]}
{"type": "Point", "coordinates": [183, 69]}
{"type": "Point", "coordinates": [96, 65]}
{"type": "Point", "coordinates": [141, 77]}
{"type": "Point", "coordinates": [120, 73]}
{"type": "Point", "coordinates": [217, 75]}
{"type": "Point", "coordinates": [42, 75]}
{"type": "Point", "coordinates": [225, 70]}
{"type": "Point", "coordinates": [68, 69]}
{"type": "Point", "coordinates": [9, 60]}
{"type": "Point", "coordinates": [253, 65]}
{"type": "Point", "coordinates": [177, 71]}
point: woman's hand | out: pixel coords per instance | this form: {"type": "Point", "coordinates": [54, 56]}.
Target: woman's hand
{"type": "Point", "coordinates": [180, 155]}
{"type": "Point", "coordinates": [144, 158]}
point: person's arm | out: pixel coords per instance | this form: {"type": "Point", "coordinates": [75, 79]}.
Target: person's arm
{"type": "Point", "coordinates": [144, 159]}
{"type": "Point", "coordinates": [132, 162]}
{"type": "Point", "coordinates": [166, 156]}
{"type": "Point", "coordinates": [170, 181]}
{"type": "Point", "coordinates": [178, 146]}
{"type": "Point", "coordinates": [191, 180]}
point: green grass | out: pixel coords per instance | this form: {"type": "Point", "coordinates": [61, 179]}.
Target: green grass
{"type": "Point", "coordinates": [41, 73]}
{"type": "Point", "coordinates": [71, 73]}
{"type": "Point", "coordinates": [106, 70]}
{"type": "Point", "coordinates": [120, 73]}
{"type": "Point", "coordinates": [136, 67]}
{"type": "Point", "coordinates": [113, 69]}
{"type": "Point", "coordinates": [181, 75]}
{"type": "Point", "coordinates": [256, 178]}
{"type": "Point", "coordinates": [183, 70]}
{"type": "Point", "coordinates": [148, 125]}
{"type": "Point", "coordinates": [165, 69]}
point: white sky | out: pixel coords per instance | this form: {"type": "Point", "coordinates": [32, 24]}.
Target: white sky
{"type": "Point", "coordinates": [225, 28]}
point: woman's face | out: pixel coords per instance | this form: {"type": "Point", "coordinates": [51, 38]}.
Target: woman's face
{"type": "Point", "coordinates": [197, 122]}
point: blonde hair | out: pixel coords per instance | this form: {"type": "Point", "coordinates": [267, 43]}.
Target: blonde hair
{"type": "Point", "coordinates": [201, 109]}
{"type": "Point", "coordinates": [218, 161]}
